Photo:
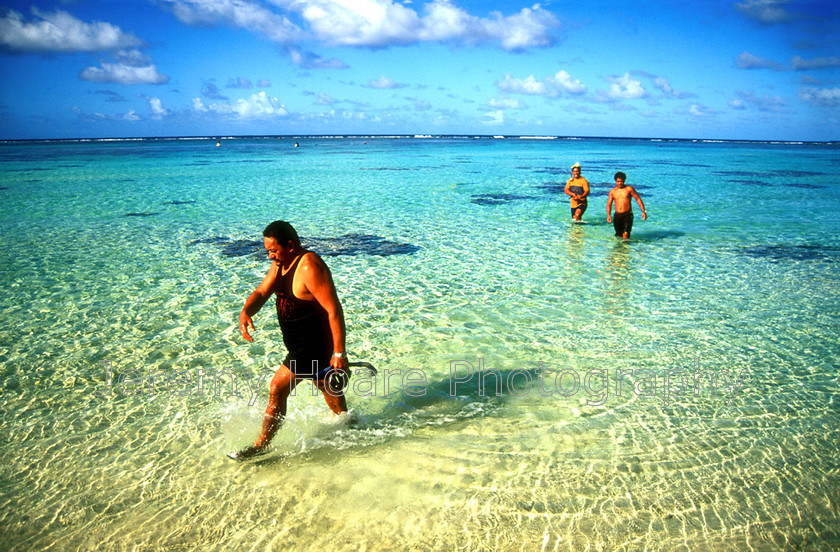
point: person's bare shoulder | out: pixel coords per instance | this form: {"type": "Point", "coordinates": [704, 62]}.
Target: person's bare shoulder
{"type": "Point", "coordinates": [312, 264]}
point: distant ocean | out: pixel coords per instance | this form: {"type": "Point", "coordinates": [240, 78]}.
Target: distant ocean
{"type": "Point", "coordinates": [542, 385]}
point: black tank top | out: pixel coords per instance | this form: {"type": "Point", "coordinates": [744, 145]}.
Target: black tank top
{"type": "Point", "coordinates": [290, 309]}
{"type": "Point", "coordinates": [305, 324]}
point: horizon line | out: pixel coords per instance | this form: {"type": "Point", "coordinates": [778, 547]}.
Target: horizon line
{"type": "Point", "coordinates": [220, 137]}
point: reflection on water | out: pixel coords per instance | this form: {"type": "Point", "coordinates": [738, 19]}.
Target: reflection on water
{"type": "Point", "coordinates": [617, 269]}
{"type": "Point", "coordinates": [575, 243]}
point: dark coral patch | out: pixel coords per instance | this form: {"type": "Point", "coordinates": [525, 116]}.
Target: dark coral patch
{"type": "Point", "coordinates": [348, 244]}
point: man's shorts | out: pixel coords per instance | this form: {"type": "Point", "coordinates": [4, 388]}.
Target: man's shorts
{"type": "Point", "coordinates": [623, 223]}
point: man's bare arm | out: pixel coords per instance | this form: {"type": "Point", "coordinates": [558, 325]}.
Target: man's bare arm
{"type": "Point", "coordinates": [319, 283]}
{"type": "Point", "coordinates": [256, 301]}
{"type": "Point", "coordinates": [639, 201]}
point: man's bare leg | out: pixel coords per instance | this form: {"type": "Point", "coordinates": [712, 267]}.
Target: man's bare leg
{"type": "Point", "coordinates": [281, 387]}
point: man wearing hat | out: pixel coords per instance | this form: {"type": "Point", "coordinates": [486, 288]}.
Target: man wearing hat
{"type": "Point", "coordinates": [577, 188]}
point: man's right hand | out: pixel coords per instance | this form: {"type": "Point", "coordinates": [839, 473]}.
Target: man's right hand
{"type": "Point", "coordinates": [245, 322]}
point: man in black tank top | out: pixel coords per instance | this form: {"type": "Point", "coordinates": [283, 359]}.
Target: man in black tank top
{"type": "Point", "coordinates": [312, 322]}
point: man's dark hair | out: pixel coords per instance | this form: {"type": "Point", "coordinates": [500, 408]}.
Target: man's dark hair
{"type": "Point", "coordinates": [282, 232]}
{"type": "Point", "coordinates": [620, 175]}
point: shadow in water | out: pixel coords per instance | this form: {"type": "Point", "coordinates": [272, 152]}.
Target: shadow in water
{"type": "Point", "coordinates": [654, 235]}
{"type": "Point", "coordinates": [348, 244]}
{"type": "Point", "coordinates": [471, 391]}
{"type": "Point", "coordinates": [498, 199]}
{"type": "Point", "coordinates": [793, 252]}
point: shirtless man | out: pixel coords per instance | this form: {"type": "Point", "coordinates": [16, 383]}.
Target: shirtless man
{"type": "Point", "coordinates": [577, 188]}
{"type": "Point", "coordinates": [623, 210]}
{"type": "Point", "coordinates": [312, 322]}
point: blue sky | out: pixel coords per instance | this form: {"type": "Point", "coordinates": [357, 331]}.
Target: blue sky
{"type": "Point", "coordinates": [745, 69]}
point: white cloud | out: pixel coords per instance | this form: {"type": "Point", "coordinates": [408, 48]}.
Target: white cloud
{"type": "Point", "coordinates": [156, 106]}
{"type": "Point", "coordinates": [563, 81]}
{"type": "Point", "coordinates": [494, 118]}
{"type": "Point", "coordinates": [374, 23]}
{"type": "Point", "coordinates": [528, 85]}
{"type": "Point", "coordinates": [129, 68]}
{"type": "Point", "coordinates": [61, 32]}
{"type": "Point", "coordinates": [800, 64]}
{"type": "Point", "coordinates": [257, 106]}
{"type": "Point", "coordinates": [662, 84]}
{"type": "Point", "coordinates": [822, 97]}
{"type": "Point", "coordinates": [326, 99]}
{"type": "Point", "coordinates": [626, 88]}
{"type": "Point", "coordinates": [384, 83]}
{"type": "Point", "coordinates": [549, 87]}
{"type": "Point", "coordinates": [238, 14]}
{"type": "Point", "coordinates": [747, 60]}
{"type": "Point", "coordinates": [737, 104]}
{"type": "Point", "coordinates": [506, 103]}
{"type": "Point", "coordinates": [360, 22]}
{"type": "Point", "coordinates": [700, 111]}
{"type": "Point", "coordinates": [443, 21]}
{"type": "Point", "coordinates": [764, 11]}
{"type": "Point", "coordinates": [130, 116]}
{"type": "Point", "coordinates": [530, 28]}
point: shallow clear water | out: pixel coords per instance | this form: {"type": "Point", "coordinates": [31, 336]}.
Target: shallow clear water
{"type": "Point", "coordinates": [677, 391]}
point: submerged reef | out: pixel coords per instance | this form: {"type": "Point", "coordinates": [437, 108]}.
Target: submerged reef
{"type": "Point", "coordinates": [348, 244]}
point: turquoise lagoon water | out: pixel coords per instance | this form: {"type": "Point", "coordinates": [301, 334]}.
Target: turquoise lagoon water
{"type": "Point", "coordinates": [675, 392]}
